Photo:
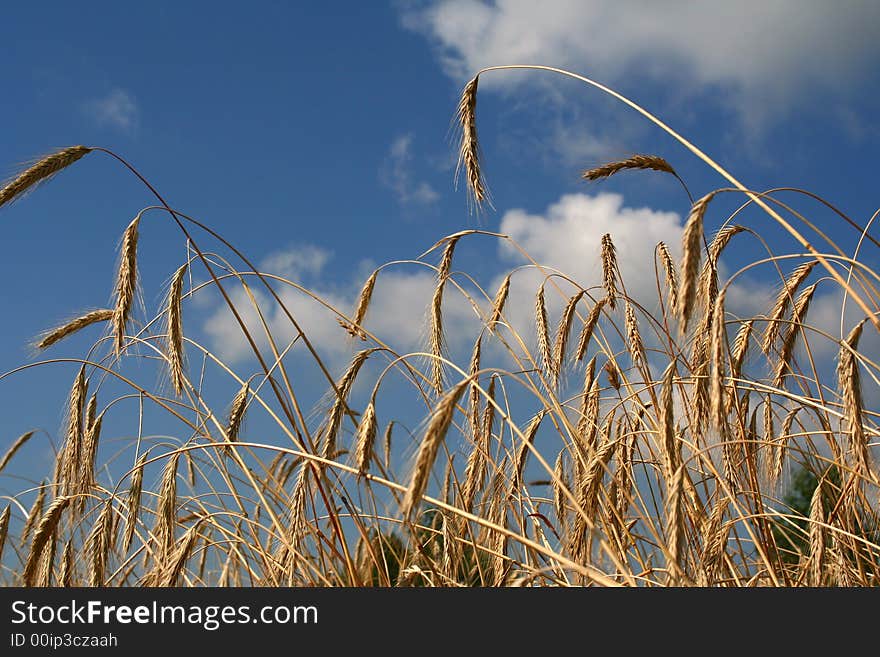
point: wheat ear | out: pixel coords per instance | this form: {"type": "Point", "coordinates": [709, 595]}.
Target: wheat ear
{"type": "Point", "coordinates": [126, 283]}
{"type": "Point", "coordinates": [42, 170]}
{"type": "Point", "coordinates": [639, 161]}
{"type": "Point", "coordinates": [45, 532]}
{"type": "Point", "coordinates": [438, 425]}
{"type": "Point", "coordinates": [52, 336]}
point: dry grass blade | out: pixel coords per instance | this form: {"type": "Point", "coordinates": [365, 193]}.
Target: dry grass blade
{"type": "Point", "coordinates": [126, 284]}
{"type": "Point", "coordinates": [780, 305]}
{"type": "Point", "coordinates": [45, 532]}
{"type": "Point", "coordinates": [640, 161]}
{"type": "Point", "coordinates": [849, 384]}
{"type": "Point", "coordinates": [438, 425]}
{"type": "Point", "coordinates": [174, 330]}
{"type": "Point", "coordinates": [52, 336]}
{"type": "Point", "coordinates": [692, 250]}
{"type": "Point", "coordinates": [669, 273]}
{"type": "Point", "coordinates": [42, 170]}
{"type": "Point", "coordinates": [469, 146]}
{"type": "Point", "coordinates": [366, 437]}
{"type": "Point", "coordinates": [609, 270]}
{"type": "Point", "coordinates": [354, 327]}
{"type": "Point", "coordinates": [587, 331]}
{"type": "Point", "coordinates": [17, 445]}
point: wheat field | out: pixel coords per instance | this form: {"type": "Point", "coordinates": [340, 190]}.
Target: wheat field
{"type": "Point", "coordinates": [623, 443]}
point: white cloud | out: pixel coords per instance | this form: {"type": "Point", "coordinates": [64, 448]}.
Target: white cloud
{"type": "Point", "coordinates": [568, 236]}
{"type": "Point", "coordinates": [766, 54]}
{"type": "Point", "coordinates": [397, 313]}
{"type": "Point", "coordinates": [296, 261]}
{"type": "Point", "coordinates": [118, 109]}
{"type": "Point", "coordinates": [397, 175]}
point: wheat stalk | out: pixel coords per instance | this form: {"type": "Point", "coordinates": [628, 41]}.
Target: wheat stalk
{"type": "Point", "coordinates": [816, 533]}
{"type": "Point", "coordinates": [522, 453]}
{"type": "Point", "coordinates": [45, 532]}
{"type": "Point", "coordinates": [167, 506]}
{"type": "Point", "coordinates": [469, 146]}
{"type": "Point", "coordinates": [365, 437]}
{"type": "Point", "coordinates": [849, 384]}
{"type": "Point", "coordinates": [438, 425]}
{"type": "Point", "coordinates": [499, 301]}
{"type": "Point", "coordinates": [40, 171]}
{"type": "Point", "coordinates": [4, 528]}
{"type": "Point", "coordinates": [543, 333]}
{"type": "Point", "coordinates": [692, 249]}
{"type": "Point", "coordinates": [740, 346]}
{"type": "Point", "coordinates": [587, 330]}
{"type": "Point", "coordinates": [669, 273]}
{"type": "Point", "coordinates": [17, 445]}
{"type": "Point", "coordinates": [134, 501]}
{"type": "Point", "coordinates": [780, 305]}
{"type": "Point", "coordinates": [50, 337]}
{"type": "Point", "coordinates": [340, 405]}
{"type": "Point", "coordinates": [639, 161]}
{"type": "Point", "coordinates": [563, 329]}
{"type": "Point", "coordinates": [34, 514]}
{"type": "Point", "coordinates": [609, 270]}
{"type": "Point", "coordinates": [174, 330]}
{"type": "Point", "coordinates": [65, 577]}
{"type": "Point", "coordinates": [354, 327]}
{"type": "Point", "coordinates": [801, 305]}
{"type": "Point", "coordinates": [126, 283]}
{"type": "Point", "coordinates": [236, 412]}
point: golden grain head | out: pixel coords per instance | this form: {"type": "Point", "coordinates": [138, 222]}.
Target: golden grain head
{"type": "Point", "coordinates": [41, 171]}
{"type": "Point", "coordinates": [639, 161]}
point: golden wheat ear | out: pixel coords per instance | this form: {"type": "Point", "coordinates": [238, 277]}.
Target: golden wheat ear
{"type": "Point", "coordinates": [41, 171]}
{"type": "Point", "coordinates": [126, 283]}
{"type": "Point", "coordinates": [52, 336]}
{"type": "Point", "coordinates": [469, 147]}
{"type": "Point", "coordinates": [652, 162]}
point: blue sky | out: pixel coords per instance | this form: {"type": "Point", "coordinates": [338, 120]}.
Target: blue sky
{"type": "Point", "coordinates": [316, 138]}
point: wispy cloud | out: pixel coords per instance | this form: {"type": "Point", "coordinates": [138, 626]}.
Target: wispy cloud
{"type": "Point", "coordinates": [397, 175]}
{"type": "Point", "coordinates": [118, 109]}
